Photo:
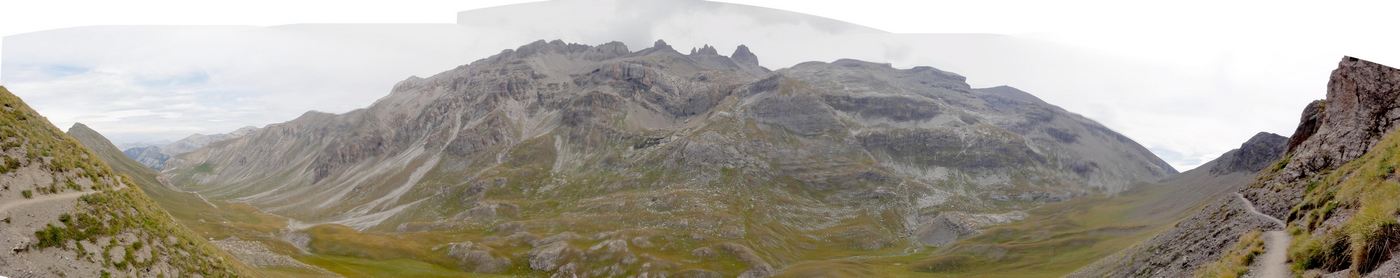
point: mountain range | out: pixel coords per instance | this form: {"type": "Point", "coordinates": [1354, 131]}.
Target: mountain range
{"type": "Point", "coordinates": [570, 160]}
{"type": "Point", "coordinates": [614, 144]}
{"type": "Point", "coordinates": [155, 156]}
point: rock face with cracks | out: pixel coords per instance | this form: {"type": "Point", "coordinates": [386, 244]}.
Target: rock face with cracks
{"type": "Point", "coordinates": [684, 151]}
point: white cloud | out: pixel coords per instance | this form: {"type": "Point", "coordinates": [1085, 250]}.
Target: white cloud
{"type": "Point", "coordinates": [1189, 80]}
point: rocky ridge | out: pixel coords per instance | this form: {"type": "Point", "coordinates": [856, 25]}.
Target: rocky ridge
{"type": "Point", "coordinates": [647, 153]}
{"type": "Point", "coordinates": [1257, 153]}
{"type": "Point", "coordinates": [157, 156]}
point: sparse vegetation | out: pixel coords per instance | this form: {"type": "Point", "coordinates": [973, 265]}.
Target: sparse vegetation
{"type": "Point", "coordinates": [1236, 260]}
{"type": "Point", "coordinates": [1364, 187]}
{"type": "Point", "coordinates": [113, 213]}
{"type": "Point", "coordinates": [21, 128]}
{"type": "Point", "coordinates": [99, 218]}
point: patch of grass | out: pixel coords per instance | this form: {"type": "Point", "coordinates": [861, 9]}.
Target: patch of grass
{"type": "Point", "coordinates": [360, 267]}
{"type": "Point", "coordinates": [1363, 186]}
{"type": "Point", "coordinates": [1059, 238]}
{"type": "Point", "coordinates": [1235, 263]}
{"type": "Point", "coordinates": [343, 241]}
{"type": "Point", "coordinates": [11, 163]}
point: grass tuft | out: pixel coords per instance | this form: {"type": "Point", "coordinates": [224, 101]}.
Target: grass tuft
{"type": "Point", "coordinates": [1235, 263]}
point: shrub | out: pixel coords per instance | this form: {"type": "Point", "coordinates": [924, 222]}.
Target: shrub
{"type": "Point", "coordinates": [27, 194]}
{"type": "Point", "coordinates": [12, 163]}
{"type": "Point", "coordinates": [50, 236]}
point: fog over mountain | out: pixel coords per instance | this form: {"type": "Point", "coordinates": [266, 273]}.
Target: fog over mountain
{"type": "Point", "coordinates": [693, 138]}
{"type": "Point", "coordinates": [123, 79]}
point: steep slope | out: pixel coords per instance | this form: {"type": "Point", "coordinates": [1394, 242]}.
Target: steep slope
{"type": "Point", "coordinates": [1333, 190]}
{"type": "Point", "coordinates": [1338, 191]}
{"type": "Point", "coordinates": [1202, 196]}
{"type": "Point", "coordinates": [1057, 239]}
{"type": "Point", "coordinates": [678, 160]}
{"type": "Point", "coordinates": [206, 218]}
{"type": "Point", "coordinates": [67, 213]}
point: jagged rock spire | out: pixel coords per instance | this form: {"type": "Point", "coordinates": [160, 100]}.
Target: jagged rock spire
{"type": "Point", "coordinates": [742, 55]}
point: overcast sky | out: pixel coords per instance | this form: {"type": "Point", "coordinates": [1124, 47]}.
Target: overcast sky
{"type": "Point", "coordinates": [1187, 79]}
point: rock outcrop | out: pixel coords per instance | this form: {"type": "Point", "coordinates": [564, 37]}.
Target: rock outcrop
{"type": "Point", "coordinates": [1362, 105]}
{"type": "Point", "coordinates": [1259, 152]}
{"type": "Point", "coordinates": [743, 55]}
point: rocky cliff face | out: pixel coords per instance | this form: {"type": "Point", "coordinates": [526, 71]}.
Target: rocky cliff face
{"type": "Point", "coordinates": [556, 145]}
{"type": "Point", "coordinates": [1362, 105]}
{"type": "Point", "coordinates": [1330, 189]}
{"type": "Point", "coordinates": [1338, 191]}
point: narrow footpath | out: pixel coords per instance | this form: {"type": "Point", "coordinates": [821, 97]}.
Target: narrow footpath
{"type": "Point", "coordinates": [43, 198]}
{"type": "Point", "coordinates": [50, 198]}
{"type": "Point", "coordinates": [1274, 262]}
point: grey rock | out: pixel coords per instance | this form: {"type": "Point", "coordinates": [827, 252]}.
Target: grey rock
{"type": "Point", "coordinates": [743, 55]}
{"type": "Point", "coordinates": [1260, 151]}
{"type": "Point", "coordinates": [552, 256]}
{"type": "Point", "coordinates": [478, 258]}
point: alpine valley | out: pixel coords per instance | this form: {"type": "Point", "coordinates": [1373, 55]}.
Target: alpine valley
{"type": "Point", "coordinates": [572, 159]}
{"type": "Point", "coordinates": [558, 159]}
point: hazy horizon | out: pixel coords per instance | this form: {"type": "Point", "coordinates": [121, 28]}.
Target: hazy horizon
{"type": "Point", "coordinates": [162, 83]}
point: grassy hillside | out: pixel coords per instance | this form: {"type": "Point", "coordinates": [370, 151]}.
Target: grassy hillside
{"type": "Point", "coordinates": [111, 229]}
{"type": "Point", "coordinates": [1347, 219]}
{"type": "Point", "coordinates": [360, 256]}
{"type": "Point", "coordinates": [1058, 239]}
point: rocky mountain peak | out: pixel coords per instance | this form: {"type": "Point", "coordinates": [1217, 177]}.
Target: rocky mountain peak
{"type": "Point", "coordinates": [705, 50]}
{"type": "Point", "coordinates": [743, 55]}
{"type": "Point", "coordinates": [661, 45]}
{"type": "Point", "coordinates": [81, 128]}
{"type": "Point", "coordinates": [613, 47]}
{"type": "Point", "coordinates": [1252, 156]}
{"type": "Point", "coordinates": [1363, 104]}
